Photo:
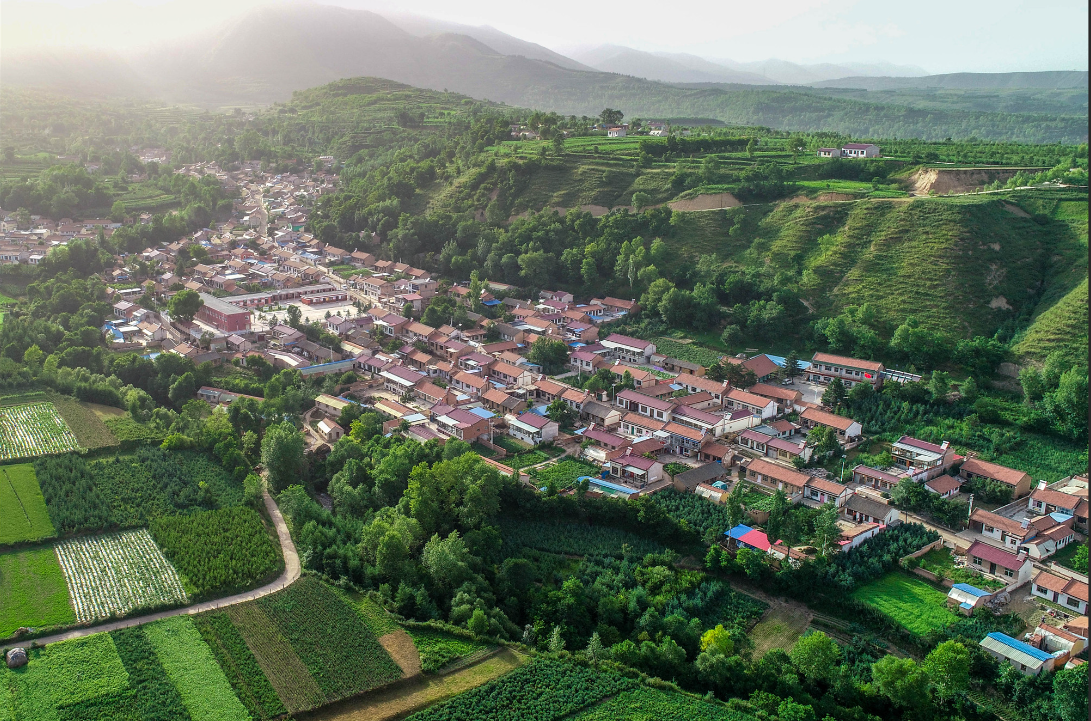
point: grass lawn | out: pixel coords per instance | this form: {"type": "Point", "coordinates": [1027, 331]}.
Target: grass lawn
{"type": "Point", "coordinates": [437, 648]}
{"type": "Point", "coordinates": [780, 627]}
{"type": "Point", "coordinates": [32, 591]}
{"type": "Point", "coordinates": [23, 515]}
{"type": "Point", "coordinates": [1066, 554]}
{"type": "Point", "coordinates": [910, 601]}
{"type": "Point", "coordinates": [939, 560]}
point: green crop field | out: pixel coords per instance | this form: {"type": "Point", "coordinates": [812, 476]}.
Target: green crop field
{"type": "Point", "coordinates": [218, 552]}
{"type": "Point", "coordinates": [32, 430]}
{"type": "Point", "coordinates": [438, 648]}
{"type": "Point", "coordinates": [239, 665]}
{"type": "Point", "coordinates": [23, 515]}
{"type": "Point", "coordinates": [910, 601]}
{"type": "Point", "coordinates": [565, 473]}
{"type": "Point", "coordinates": [191, 667]}
{"type": "Point", "coordinates": [573, 538]}
{"type": "Point", "coordinates": [650, 704]}
{"type": "Point", "coordinates": [32, 591]}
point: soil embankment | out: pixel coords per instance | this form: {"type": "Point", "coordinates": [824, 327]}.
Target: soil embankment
{"type": "Point", "coordinates": [960, 180]}
{"type": "Point", "coordinates": [710, 201]}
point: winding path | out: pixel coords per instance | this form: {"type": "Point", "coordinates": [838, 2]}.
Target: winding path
{"type": "Point", "coordinates": [285, 579]}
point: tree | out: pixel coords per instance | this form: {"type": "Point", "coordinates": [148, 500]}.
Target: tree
{"type": "Point", "coordinates": [559, 411]}
{"type": "Point", "coordinates": [595, 650]}
{"type": "Point", "coordinates": [610, 116]}
{"type": "Point", "coordinates": [117, 211]}
{"type": "Point", "coordinates": [640, 201]}
{"type": "Point", "coordinates": [734, 503]}
{"type": "Point", "coordinates": [1070, 692]}
{"type": "Point", "coordinates": [751, 146]}
{"type": "Point", "coordinates": [184, 305]}
{"type": "Point", "coordinates": [295, 315]}
{"type": "Point", "coordinates": [791, 369]}
{"type": "Point", "coordinates": [826, 532]}
{"type": "Point", "coordinates": [969, 390]}
{"type": "Point", "coordinates": [282, 455]}
{"type": "Point", "coordinates": [183, 389]}
{"type": "Point", "coordinates": [551, 354]}
{"type": "Point", "coordinates": [902, 681]}
{"type": "Point", "coordinates": [948, 665]}
{"type": "Point", "coordinates": [816, 656]}
{"type": "Point", "coordinates": [731, 335]}
{"type": "Point", "coordinates": [939, 385]}
{"type": "Point", "coordinates": [835, 394]}
{"type": "Point", "coordinates": [556, 641]}
{"type": "Point", "coordinates": [717, 640]}
{"type": "Point", "coordinates": [824, 440]}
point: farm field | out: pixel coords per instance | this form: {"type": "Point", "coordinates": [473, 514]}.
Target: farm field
{"type": "Point", "coordinates": [543, 689]}
{"type": "Point", "coordinates": [129, 491]}
{"type": "Point", "coordinates": [780, 627]}
{"type": "Point", "coordinates": [424, 691]}
{"type": "Point", "coordinates": [218, 552]}
{"type": "Point", "coordinates": [564, 474]}
{"type": "Point", "coordinates": [191, 667]}
{"type": "Point", "coordinates": [116, 574]}
{"type": "Point", "coordinates": [437, 648]}
{"type": "Point", "coordinates": [687, 351]}
{"type": "Point", "coordinates": [649, 704]}
{"type": "Point", "coordinates": [910, 601]}
{"type": "Point", "coordinates": [85, 421]}
{"type": "Point", "coordinates": [33, 430]}
{"type": "Point", "coordinates": [32, 591]}
{"type": "Point", "coordinates": [239, 665]}
{"type": "Point", "coordinates": [23, 515]}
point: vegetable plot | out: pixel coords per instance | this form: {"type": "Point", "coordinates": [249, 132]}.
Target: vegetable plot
{"type": "Point", "coordinates": [116, 574]}
{"type": "Point", "coordinates": [34, 430]}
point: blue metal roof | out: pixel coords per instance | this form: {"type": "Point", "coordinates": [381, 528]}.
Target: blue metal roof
{"type": "Point", "coordinates": [483, 412]}
{"type": "Point", "coordinates": [1059, 517]}
{"type": "Point", "coordinates": [965, 605]}
{"type": "Point", "coordinates": [490, 303]}
{"type": "Point", "coordinates": [604, 484]}
{"type": "Point", "coordinates": [1020, 646]}
{"type": "Point", "coordinates": [972, 590]}
{"type": "Point", "coordinates": [738, 531]}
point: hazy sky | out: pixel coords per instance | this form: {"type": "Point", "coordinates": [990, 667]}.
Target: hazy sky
{"type": "Point", "coordinates": [937, 35]}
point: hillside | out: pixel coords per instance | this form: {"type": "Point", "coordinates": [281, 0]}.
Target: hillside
{"type": "Point", "coordinates": [1048, 80]}
{"type": "Point", "coordinates": [669, 68]}
{"type": "Point", "coordinates": [329, 43]}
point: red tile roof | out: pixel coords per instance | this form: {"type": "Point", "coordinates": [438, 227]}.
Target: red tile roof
{"type": "Point", "coordinates": [993, 470]}
{"type": "Point", "coordinates": [992, 554]}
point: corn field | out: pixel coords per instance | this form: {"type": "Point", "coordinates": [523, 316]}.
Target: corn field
{"type": "Point", "coordinates": [116, 574]}
{"type": "Point", "coordinates": [33, 430]}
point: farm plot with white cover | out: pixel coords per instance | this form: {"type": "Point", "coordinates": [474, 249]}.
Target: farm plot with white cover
{"type": "Point", "coordinates": [115, 574]}
{"type": "Point", "coordinates": [33, 430]}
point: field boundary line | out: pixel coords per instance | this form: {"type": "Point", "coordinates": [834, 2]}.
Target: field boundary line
{"type": "Point", "coordinates": [289, 576]}
{"type": "Point", "coordinates": [16, 494]}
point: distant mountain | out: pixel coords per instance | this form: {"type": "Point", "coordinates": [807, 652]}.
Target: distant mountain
{"type": "Point", "coordinates": [782, 71]}
{"type": "Point", "coordinates": [665, 67]}
{"type": "Point", "coordinates": [1049, 80]}
{"type": "Point", "coordinates": [501, 42]}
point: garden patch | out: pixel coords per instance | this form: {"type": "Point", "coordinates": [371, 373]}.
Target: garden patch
{"type": "Point", "coordinates": [23, 515]}
{"type": "Point", "coordinates": [910, 601]}
{"type": "Point", "coordinates": [32, 591]}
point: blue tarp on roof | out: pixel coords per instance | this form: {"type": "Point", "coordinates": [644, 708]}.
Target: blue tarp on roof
{"type": "Point", "coordinates": [490, 303]}
{"type": "Point", "coordinates": [779, 360]}
{"type": "Point", "coordinates": [1059, 517]}
{"type": "Point", "coordinates": [483, 412]}
{"type": "Point", "coordinates": [1020, 646]}
{"type": "Point", "coordinates": [738, 531]}
{"type": "Point", "coordinates": [972, 590]}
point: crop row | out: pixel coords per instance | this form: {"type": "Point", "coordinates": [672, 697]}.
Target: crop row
{"type": "Point", "coordinates": [331, 639]}
{"type": "Point", "coordinates": [219, 551]}
{"type": "Point", "coordinates": [542, 690]}
{"type": "Point", "coordinates": [116, 574]}
{"type": "Point", "coordinates": [701, 514]}
{"type": "Point", "coordinates": [239, 665]}
{"type": "Point", "coordinates": [34, 430]}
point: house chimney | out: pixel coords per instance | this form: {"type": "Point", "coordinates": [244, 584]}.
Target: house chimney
{"type": "Point", "coordinates": [1041, 485]}
{"type": "Point", "coordinates": [945, 444]}
{"type": "Point", "coordinates": [1026, 523]}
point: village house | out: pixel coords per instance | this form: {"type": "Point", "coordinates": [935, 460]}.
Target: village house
{"type": "Point", "coordinates": [531, 428]}
{"type": "Point", "coordinates": [762, 366]}
{"type": "Point", "coordinates": [944, 486]}
{"type": "Point", "coordinates": [821, 491]}
{"type": "Point", "coordinates": [873, 477]}
{"type": "Point", "coordinates": [997, 562]}
{"type": "Point", "coordinates": [1045, 499]}
{"type": "Point", "coordinates": [629, 350]}
{"type": "Point", "coordinates": [921, 459]}
{"type": "Point", "coordinates": [825, 367]}
{"type": "Point", "coordinates": [400, 380]}
{"type": "Point", "coordinates": [330, 431]}
{"type": "Point", "coordinates": [695, 384]}
{"type": "Point", "coordinates": [760, 406]}
{"type": "Point", "coordinates": [330, 405]}
{"type": "Point", "coordinates": [1029, 661]}
{"type": "Point", "coordinates": [636, 402]}
{"type": "Point", "coordinates": [848, 431]}
{"type": "Point", "coordinates": [1068, 592]}
{"type": "Point", "coordinates": [635, 470]}
{"type": "Point", "coordinates": [864, 509]}
{"type": "Point", "coordinates": [462, 424]}
{"type": "Point", "coordinates": [601, 446]}
{"type": "Point", "coordinates": [774, 477]}
{"type": "Point", "coordinates": [785, 398]}
{"type": "Point", "coordinates": [1017, 481]}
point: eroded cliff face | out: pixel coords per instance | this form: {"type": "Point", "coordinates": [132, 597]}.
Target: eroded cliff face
{"type": "Point", "coordinates": [959, 180]}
